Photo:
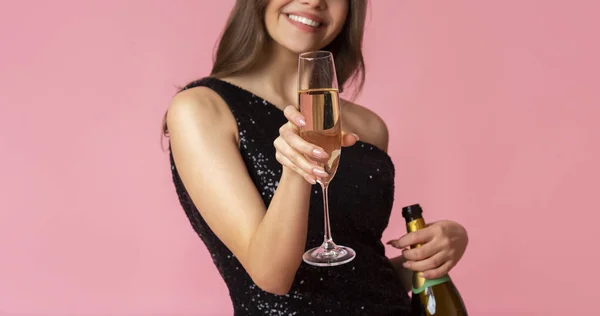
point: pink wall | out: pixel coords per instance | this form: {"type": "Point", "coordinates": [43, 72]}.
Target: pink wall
{"type": "Point", "coordinates": [491, 107]}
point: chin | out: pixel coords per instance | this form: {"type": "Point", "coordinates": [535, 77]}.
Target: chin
{"type": "Point", "coordinates": [299, 46]}
{"type": "Point", "coordinates": [300, 50]}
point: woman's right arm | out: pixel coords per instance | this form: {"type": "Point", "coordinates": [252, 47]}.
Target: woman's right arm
{"type": "Point", "coordinates": [270, 244]}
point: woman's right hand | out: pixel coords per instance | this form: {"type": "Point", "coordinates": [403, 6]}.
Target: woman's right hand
{"type": "Point", "coordinates": [298, 155]}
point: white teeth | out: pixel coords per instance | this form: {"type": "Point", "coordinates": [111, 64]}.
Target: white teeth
{"type": "Point", "coordinates": [304, 20]}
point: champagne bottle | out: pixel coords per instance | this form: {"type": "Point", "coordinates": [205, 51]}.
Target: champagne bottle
{"type": "Point", "coordinates": [431, 297]}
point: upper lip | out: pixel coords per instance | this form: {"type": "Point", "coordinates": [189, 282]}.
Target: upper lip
{"type": "Point", "coordinates": [308, 16]}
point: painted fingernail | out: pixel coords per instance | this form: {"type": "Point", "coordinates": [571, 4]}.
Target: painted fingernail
{"type": "Point", "coordinates": [320, 172]}
{"type": "Point", "coordinates": [301, 121]}
{"type": "Point", "coordinates": [319, 153]}
{"type": "Point", "coordinates": [311, 180]}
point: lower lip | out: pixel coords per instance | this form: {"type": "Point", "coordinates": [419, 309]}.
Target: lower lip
{"type": "Point", "coordinates": [302, 26]}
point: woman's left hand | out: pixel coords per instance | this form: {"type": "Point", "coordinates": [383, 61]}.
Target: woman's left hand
{"type": "Point", "coordinates": [443, 243]}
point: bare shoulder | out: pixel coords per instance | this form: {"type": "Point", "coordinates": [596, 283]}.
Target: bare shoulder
{"type": "Point", "coordinates": [199, 108]}
{"type": "Point", "coordinates": [368, 125]}
{"type": "Point", "coordinates": [189, 104]}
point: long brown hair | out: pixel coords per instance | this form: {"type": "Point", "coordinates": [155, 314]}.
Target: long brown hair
{"type": "Point", "coordinates": [245, 36]}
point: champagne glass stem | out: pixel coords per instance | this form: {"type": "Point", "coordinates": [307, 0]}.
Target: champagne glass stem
{"type": "Point", "coordinates": [328, 243]}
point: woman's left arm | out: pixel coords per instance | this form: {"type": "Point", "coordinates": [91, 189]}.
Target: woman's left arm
{"type": "Point", "coordinates": [443, 244]}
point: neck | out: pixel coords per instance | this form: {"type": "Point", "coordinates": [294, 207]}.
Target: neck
{"type": "Point", "coordinates": [277, 74]}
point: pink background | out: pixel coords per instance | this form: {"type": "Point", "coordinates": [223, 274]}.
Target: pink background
{"type": "Point", "coordinates": [491, 107]}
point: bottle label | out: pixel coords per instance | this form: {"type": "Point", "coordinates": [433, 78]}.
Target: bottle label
{"type": "Point", "coordinates": [429, 283]}
{"type": "Point", "coordinates": [431, 304]}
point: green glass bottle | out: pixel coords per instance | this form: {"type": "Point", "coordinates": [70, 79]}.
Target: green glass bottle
{"type": "Point", "coordinates": [431, 297]}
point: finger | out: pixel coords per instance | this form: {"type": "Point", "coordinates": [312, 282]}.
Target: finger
{"type": "Point", "coordinates": [294, 116]}
{"type": "Point", "coordinates": [299, 144]}
{"type": "Point", "coordinates": [429, 263]}
{"type": "Point", "coordinates": [298, 159]}
{"type": "Point", "coordinates": [427, 250]}
{"type": "Point", "coordinates": [284, 161]}
{"type": "Point", "coordinates": [439, 271]}
{"type": "Point", "coordinates": [420, 236]}
{"type": "Point", "coordinates": [349, 139]}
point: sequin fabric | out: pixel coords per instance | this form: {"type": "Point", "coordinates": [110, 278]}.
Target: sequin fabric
{"type": "Point", "coordinates": [361, 197]}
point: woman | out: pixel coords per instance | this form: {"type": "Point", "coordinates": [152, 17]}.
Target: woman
{"type": "Point", "coordinates": [242, 176]}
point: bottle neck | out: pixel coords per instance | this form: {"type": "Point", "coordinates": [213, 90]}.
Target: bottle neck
{"type": "Point", "coordinates": [413, 224]}
{"type": "Point", "coordinates": [419, 283]}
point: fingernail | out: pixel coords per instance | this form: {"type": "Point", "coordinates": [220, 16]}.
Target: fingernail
{"type": "Point", "coordinates": [406, 264]}
{"type": "Point", "coordinates": [319, 153]}
{"type": "Point", "coordinates": [311, 180]}
{"type": "Point", "coordinates": [301, 121]}
{"type": "Point", "coordinates": [357, 138]}
{"type": "Point", "coordinates": [425, 275]}
{"type": "Point", "coordinates": [320, 172]}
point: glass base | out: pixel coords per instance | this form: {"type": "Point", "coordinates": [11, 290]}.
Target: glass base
{"type": "Point", "coordinates": [336, 256]}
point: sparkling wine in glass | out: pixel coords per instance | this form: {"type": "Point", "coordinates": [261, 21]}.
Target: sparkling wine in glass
{"type": "Point", "coordinates": [320, 105]}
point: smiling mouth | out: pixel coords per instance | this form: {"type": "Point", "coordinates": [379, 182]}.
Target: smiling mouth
{"type": "Point", "coordinates": [303, 20]}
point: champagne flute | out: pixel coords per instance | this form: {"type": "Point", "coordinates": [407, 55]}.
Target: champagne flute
{"type": "Point", "coordinates": [320, 105]}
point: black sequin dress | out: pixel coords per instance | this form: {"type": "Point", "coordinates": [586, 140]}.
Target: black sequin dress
{"type": "Point", "coordinates": [361, 197]}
